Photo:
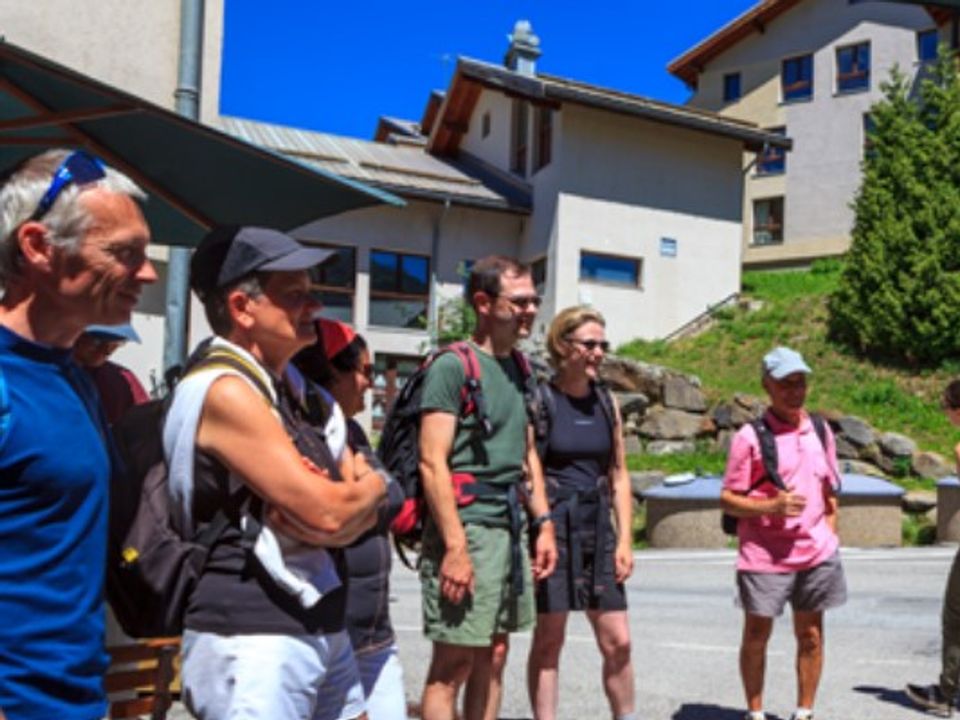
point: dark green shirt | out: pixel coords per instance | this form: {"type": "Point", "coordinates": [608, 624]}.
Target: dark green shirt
{"type": "Point", "coordinates": [497, 459]}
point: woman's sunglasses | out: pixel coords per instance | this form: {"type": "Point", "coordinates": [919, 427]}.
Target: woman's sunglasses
{"type": "Point", "coordinates": [591, 345]}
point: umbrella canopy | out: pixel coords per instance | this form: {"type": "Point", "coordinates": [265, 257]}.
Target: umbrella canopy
{"type": "Point", "coordinates": [196, 176]}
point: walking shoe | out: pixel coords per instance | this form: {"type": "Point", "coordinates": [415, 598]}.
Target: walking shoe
{"type": "Point", "coordinates": [794, 716]}
{"type": "Point", "coordinates": [930, 699]}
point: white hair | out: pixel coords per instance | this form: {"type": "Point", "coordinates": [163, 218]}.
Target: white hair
{"type": "Point", "coordinates": [67, 219]}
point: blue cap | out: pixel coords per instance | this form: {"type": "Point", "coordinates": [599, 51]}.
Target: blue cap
{"type": "Point", "coordinates": [123, 332]}
{"type": "Point", "coordinates": [782, 361]}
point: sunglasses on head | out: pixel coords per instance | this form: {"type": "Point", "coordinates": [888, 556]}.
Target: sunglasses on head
{"type": "Point", "coordinates": [591, 345]}
{"type": "Point", "coordinates": [79, 168]}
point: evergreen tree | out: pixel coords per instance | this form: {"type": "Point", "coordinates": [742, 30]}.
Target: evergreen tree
{"type": "Point", "coordinates": [899, 294]}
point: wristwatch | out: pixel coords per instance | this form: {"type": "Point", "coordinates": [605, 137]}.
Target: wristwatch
{"type": "Point", "coordinates": [540, 520]}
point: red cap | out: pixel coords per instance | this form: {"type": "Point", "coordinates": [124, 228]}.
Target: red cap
{"type": "Point", "coordinates": [335, 335]}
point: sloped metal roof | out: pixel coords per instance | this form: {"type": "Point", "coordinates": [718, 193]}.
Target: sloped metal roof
{"type": "Point", "coordinates": [408, 171]}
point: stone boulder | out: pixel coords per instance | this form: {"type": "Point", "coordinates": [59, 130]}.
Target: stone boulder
{"type": "Point", "coordinates": [897, 445]}
{"type": "Point", "coordinates": [931, 465]}
{"type": "Point", "coordinates": [918, 501]}
{"type": "Point", "coordinates": [670, 447]}
{"type": "Point", "coordinates": [855, 430]}
{"type": "Point", "coordinates": [633, 405]}
{"type": "Point", "coordinates": [845, 449]}
{"type": "Point", "coordinates": [858, 467]}
{"type": "Point", "coordinates": [633, 376]}
{"type": "Point", "coordinates": [681, 393]}
{"type": "Point", "coordinates": [667, 424]}
{"type": "Point", "coordinates": [739, 411]}
{"type": "Point", "coordinates": [632, 445]}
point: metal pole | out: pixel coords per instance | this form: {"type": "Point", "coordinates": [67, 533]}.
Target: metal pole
{"type": "Point", "coordinates": [187, 104]}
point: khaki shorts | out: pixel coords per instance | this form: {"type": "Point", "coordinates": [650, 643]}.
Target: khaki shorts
{"type": "Point", "coordinates": [493, 608]}
{"type": "Point", "coordinates": [812, 590]}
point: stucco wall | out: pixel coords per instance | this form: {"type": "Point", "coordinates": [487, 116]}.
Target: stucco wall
{"type": "Point", "coordinates": [624, 184]}
{"type": "Point", "coordinates": [495, 148]}
{"type": "Point", "coordinates": [823, 170]}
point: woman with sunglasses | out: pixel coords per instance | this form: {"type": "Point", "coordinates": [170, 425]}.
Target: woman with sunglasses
{"type": "Point", "coordinates": [340, 364]}
{"type": "Point", "coordinates": [592, 506]}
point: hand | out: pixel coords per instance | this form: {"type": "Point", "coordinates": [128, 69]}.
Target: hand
{"type": "Point", "coordinates": [456, 575]}
{"type": "Point", "coordinates": [789, 503]}
{"type": "Point", "coordinates": [623, 562]}
{"type": "Point", "coordinates": [545, 552]}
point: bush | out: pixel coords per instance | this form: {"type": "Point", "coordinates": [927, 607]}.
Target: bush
{"type": "Point", "coordinates": [899, 293]}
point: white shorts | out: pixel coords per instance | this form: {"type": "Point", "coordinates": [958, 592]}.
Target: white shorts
{"type": "Point", "coordinates": [382, 679]}
{"type": "Point", "coordinates": [270, 677]}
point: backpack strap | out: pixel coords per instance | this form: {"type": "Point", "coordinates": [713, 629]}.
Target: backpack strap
{"type": "Point", "coordinates": [768, 454]}
{"type": "Point", "coordinates": [544, 410]}
{"type": "Point", "coordinates": [221, 357]}
{"type": "Point", "coordinates": [820, 426]}
{"type": "Point", "coordinates": [471, 393]}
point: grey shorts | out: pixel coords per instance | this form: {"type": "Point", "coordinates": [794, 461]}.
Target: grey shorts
{"type": "Point", "coordinates": [813, 590]}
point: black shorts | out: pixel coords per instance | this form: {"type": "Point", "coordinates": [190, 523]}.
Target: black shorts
{"type": "Point", "coordinates": [566, 589]}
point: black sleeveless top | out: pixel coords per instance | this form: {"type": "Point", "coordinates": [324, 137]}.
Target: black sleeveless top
{"type": "Point", "coordinates": [235, 595]}
{"type": "Point", "coordinates": [580, 446]}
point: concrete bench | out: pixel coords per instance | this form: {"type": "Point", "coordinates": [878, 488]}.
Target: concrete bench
{"type": "Point", "coordinates": [687, 515]}
{"type": "Point", "coordinates": [948, 509]}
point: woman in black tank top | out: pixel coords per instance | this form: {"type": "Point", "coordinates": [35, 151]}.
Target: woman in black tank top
{"type": "Point", "coordinates": [592, 507]}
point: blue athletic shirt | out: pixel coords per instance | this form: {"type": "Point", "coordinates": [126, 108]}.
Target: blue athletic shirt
{"type": "Point", "coordinates": [54, 484]}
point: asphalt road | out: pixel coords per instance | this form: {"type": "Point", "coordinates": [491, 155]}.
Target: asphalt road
{"type": "Point", "coordinates": [686, 632]}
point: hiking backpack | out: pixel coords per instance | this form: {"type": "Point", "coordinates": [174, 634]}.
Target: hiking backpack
{"type": "Point", "coordinates": [399, 447]}
{"type": "Point", "coordinates": [152, 568]}
{"type": "Point", "coordinates": [544, 409]}
{"type": "Point", "coordinates": [768, 455]}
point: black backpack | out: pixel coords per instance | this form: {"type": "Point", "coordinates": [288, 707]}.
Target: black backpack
{"type": "Point", "coordinates": [151, 567]}
{"type": "Point", "coordinates": [399, 447]}
{"type": "Point", "coordinates": [768, 454]}
{"type": "Point", "coordinates": [544, 409]}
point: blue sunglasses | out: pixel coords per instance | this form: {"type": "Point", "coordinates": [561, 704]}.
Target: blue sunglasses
{"type": "Point", "coordinates": [80, 168]}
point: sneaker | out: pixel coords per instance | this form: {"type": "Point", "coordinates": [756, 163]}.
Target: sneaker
{"type": "Point", "coordinates": [794, 716]}
{"type": "Point", "coordinates": [930, 699]}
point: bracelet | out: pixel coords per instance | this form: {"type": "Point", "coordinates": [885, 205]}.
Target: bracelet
{"type": "Point", "coordinates": [540, 520]}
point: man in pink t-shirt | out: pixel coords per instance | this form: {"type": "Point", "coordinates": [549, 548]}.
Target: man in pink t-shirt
{"type": "Point", "coordinates": [788, 539]}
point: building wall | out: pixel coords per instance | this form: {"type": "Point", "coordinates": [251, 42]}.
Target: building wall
{"type": "Point", "coordinates": [823, 169]}
{"type": "Point", "coordinates": [623, 185]}
{"type": "Point", "coordinates": [495, 148]}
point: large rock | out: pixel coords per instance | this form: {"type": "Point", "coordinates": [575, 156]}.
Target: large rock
{"type": "Point", "coordinates": [739, 411]}
{"type": "Point", "coordinates": [668, 424]}
{"type": "Point", "coordinates": [931, 465]}
{"type": "Point", "coordinates": [918, 501]}
{"type": "Point", "coordinates": [872, 454]}
{"type": "Point", "coordinates": [897, 445]}
{"type": "Point", "coordinates": [632, 376]}
{"type": "Point", "coordinates": [846, 449]}
{"type": "Point", "coordinates": [632, 445]}
{"type": "Point", "coordinates": [670, 447]}
{"type": "Point", "coordinates": [724, 439]}
{"type": "Point", "coordinates": [632, 407]}
{"type": "Point", "coordinates": [855, 430]}
{"type": "Point", "coordinates": [683, 394]}
{"type": "Point", "coordinates": [858, 467]}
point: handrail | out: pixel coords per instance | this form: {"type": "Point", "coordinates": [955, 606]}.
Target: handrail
{"type": "Point", "coordinates": [732, 297]}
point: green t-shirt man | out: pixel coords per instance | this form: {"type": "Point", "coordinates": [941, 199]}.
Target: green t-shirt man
{"type": "Point", "coordinates": [497, 459]}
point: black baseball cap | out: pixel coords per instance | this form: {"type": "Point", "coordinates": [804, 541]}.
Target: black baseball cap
{"type": "Point", "coordinates": [228, 253]}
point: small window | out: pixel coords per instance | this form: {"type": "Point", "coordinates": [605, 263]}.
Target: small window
{"type": "Point", "coordinates": [399, 289]}
{"type": "Point", "coordinates": [538, 271]}
{"type": "Point", "coordinates": [796, 78]}
{"type": "Point", "coordinates": [868, 129]}
{"type": "Point", "coordinates": [334, 283]}
{"type": "Point", "coordinates": [518, 138]}
{"type": "Point", "coordinates": [668, 247]}
{"type": "Point", "coordinates": [485, 125]}
{"type": "Point", "coordinates": [768, 221]}
{"type": "Point", "coordinates": [927, 43]}
{"type": "Point", "coordinates": [853, 67]}
{"type": "Point", "coordinates": [611, 269]}
{"type": "Point", "coordinates": [772, 160]}
{"type": "Point", "coordinates": [731, 87]}
{"type": "Point", "coordinates": [542, 151]}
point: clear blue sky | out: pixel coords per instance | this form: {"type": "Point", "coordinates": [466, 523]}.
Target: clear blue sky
{"type": "Point", "coordinates": [337, 66]}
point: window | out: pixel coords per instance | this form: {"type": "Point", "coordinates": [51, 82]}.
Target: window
{"type": "Point", "coordinates": [544, 126]}
{"type": "Point", "coordinates": [853, 67]}
{"type": "Point", "coordinates": [927, 42]}
{"type": "Point", "coordinates": [610, 269]}
{"type": "Point", "coordinates": [796, 78]}
{"type": "Point", "coordinates": [768, 221]}
{"type": "Point", "coordinates": [668, 247]}
{"type": "Point", "coordinates": [518, 138]}
{"type": "Point", "coordinates": [731, 87]}
{"type": "Point", "coordinates": [485, 125]}
{"type": "Point", "coordinates": [868, 128]}
{"type": "Point", "coordinates": [772, 160]}
{"type": "Point", "coordinates": [390, 373]}
{"type": "Point", "coordinates": [538, 271]}
{"type": "Point", "coordinates": [399, 289]}
{"type": "Point", "coordinates": [334, 283]}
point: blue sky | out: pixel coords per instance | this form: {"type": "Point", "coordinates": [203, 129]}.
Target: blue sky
{"type": "Point", "coordinates": [337, 66]}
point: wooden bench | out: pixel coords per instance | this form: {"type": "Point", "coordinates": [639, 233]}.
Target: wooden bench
{"type": "Point", "coordinates": [143, 672]}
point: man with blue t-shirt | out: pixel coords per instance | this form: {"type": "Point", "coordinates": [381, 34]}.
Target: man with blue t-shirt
{"type": "Point", "coordinates": [73, 254]}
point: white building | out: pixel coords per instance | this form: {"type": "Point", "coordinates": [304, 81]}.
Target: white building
{"type": "Point", "coordinates": [808, 69]}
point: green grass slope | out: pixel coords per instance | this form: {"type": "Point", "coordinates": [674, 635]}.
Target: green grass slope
{"type": "Point", "coordinates": [794, 313]}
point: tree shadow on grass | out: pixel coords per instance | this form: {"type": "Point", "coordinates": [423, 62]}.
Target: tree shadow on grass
{"type": "Point", "coordinates": [703, 711]}
{"type": "Point", "coordinates": [888, 695]}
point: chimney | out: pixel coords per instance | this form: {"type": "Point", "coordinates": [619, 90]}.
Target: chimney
{"type": "Point", "coordinates": [524, 49]}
